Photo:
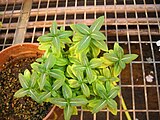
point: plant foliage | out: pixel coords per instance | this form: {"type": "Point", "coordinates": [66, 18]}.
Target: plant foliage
{"type": "Point", "coordinates": [72, 72]}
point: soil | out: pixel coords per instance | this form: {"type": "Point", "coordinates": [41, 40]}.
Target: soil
{"type": "Point", "coordinates": [18, 109]}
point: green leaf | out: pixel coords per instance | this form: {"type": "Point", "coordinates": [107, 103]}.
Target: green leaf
{"type": "Point", "coordinates": [100, 44]}
{"type": "Point", "coordinates": [53, 29]}
{"type": "Point", "coordinates": [100, 104]}
{"type": "Point", "coordinates": [89, 75]}
{"type": "Point", "coordinates": [47, 86]}
{"type": "Point", "coordinates": [111, 57]}
{"type": "Point", "coordinates": [42, 81]}
{"type": "Point", "coordinates": [82, 28]}
{"type": "Point", "coordinates": [58, 83]}
{"type": "Point", "coordinates": [83, 44]}
{"type": "Point", "coordinates": [68, 110]}
{"type": "Point", "coordinates": [97, 35]}
{"type": "Point", "coordinates": [122, 64]}
{"type": "Point", "coordinates": [118, 50]}
{"type": "Point", "coordinates": [95, 62]}
{"type": "Point", "coordinates": [108, 86]}
{"type": "Point", "coordinates": [23, 81]}
{"type": "Point", "coordinates": [78, 101]}
{"type": "Point", "coordinates": [129, 57]}
{"type": "Point", "coordinates": [85, 89]}
{"type": "Point", "coordinates": [83, 59]}
{"type": "Point", "coordinates": [57, 101]}
{"type": "Point", "coordinates": [111, 103]}
{"type": "Point", "coordinates": [74, 60]}
{"type": "Point", "coordinates": [69, 71]}
{"type": "Point", "coordinates": [27, 75]}
{"type": "Point", "coordinates": [67, 92]}
{"type": "Point", "coordinates": [106, 72]}
{"type": "Point", "coordinates": [112, 110]}
{"type": "Point", "coordinates": [34, 95]}
{"type": "Point", "coordinates": [77, 37]}
{"type": "Point", "coordinates": [101, 90]}
{"type": "Point", "coordinates": [97, 24]}
{"type": "Point", "coordinates": [56, 73]}
{"type": "Point", "coordinates": [44, 46]}
{"type": "Point", "coordinates": [45, 39]}
{"type": "Point", "coordinates": [73, 83]}
{"type": "Point", "coordinates": [44, 96]}
{"type": "Point", "coordinates": [61, 61]}
{"type": "Point", "coordinates": [56, 43]}
{"type": "Point", "coordinates": [34, 78]}
{"type": "Point", "coordinates": [50, 61]}
{"type": "Point", "coordinates": [95, 50]}
{"type": "Point", "coordinates": [21, 93]}
{"type": "Point", "coordinates": [64, 34]}
{"type": "Point", "coordinates": [116, 70]}
{"type": "Point", "coordinates": [114, 92]}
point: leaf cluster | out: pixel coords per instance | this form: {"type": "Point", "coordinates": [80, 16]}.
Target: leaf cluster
{"type": "Point", "coordinates": [72, 72]}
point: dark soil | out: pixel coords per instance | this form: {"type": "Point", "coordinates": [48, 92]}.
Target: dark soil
{"type": "Point", "coordinates": [18, 109]}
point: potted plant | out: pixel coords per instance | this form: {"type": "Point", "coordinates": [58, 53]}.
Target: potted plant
{"type": "Point", "coordinates": [76, 69]}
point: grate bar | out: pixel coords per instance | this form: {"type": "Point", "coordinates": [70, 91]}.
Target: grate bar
{"type": "Point", "coordinates": [88, 9]}
{"type": "Point", "coordinates": [20, 32]}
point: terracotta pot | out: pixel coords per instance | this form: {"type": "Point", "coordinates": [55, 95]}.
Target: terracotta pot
{"type": "Point", "coordinates": [28, 50]}
{"type": "Point", "coordinates": [19, 51]}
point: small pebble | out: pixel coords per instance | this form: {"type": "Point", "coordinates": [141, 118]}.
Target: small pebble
{"type": "Point", "coordinates": [149, 78]}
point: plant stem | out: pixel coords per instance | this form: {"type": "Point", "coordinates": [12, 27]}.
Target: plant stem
{"type": "Point", "coordinates": [123, 104]}
{"type": "Point", "coordinates": [124, 107]}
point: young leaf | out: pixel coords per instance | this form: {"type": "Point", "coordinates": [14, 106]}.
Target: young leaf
{"type": "Point", "coordinates": [83, 59]}
{"type": "Point", "coordinates": [97, 35]}
{"type": "Point", "coordinates": [61, 61]}
{"type": "Point", "coordinates": [78, 101]}
{"type": "Point", "coordinates": [21, 93]}
{"type": "Point", "coordinates": [114, 92]}
{"type": "Point", "coordinates": [45, 39]}
{"type": "Point", "coordinates": [129, 57]}
{"type": "Point", "coordinates": [108, 86]}
{"type": "Point", "coordinates": [57, 101]}
{"type": "Point", "coordinates": [23, 81]}
{"type": "Point", "coordinates": [82, 28]}
{"type": "Point", "coordinates": [53, 29]}
{"type": "Point", "coordinates": [111, 57]}
{"type": "Point", "coordinates": [107, 72]}
{"type": "Point", "coordinates": [56, 73]}
{"type": "Point", "coordinates": [69, 71]}
{"type": "Point", "coordinates": [122, 64]}
{"type": "Point", "coordinates": [34, 78]}
{"type": "Point", "coordinates": [50, 61]}
{"type": "Point", "coordinates": [34, 95]}
{"type": "Point", "coordinates": [77, 37]}
{"type": "Point", "coordinates": [68, 110]}
{"type": "Point", "coordinates": [116, 70]}
{"type": "Point", "coordinates": [27, 75]}
{"type": "Point", "coordinates": [67, 92]}
{"type": "Point", "coordinates": [42, 81]}
{"type": "Point", "coordinates": [64, 34]}
{"type": "Point", "coordinates": [100, 44]}
{"type": "Point", "coordinates": [44, 96]}
{"type": "Point", "coordinates": [83, 44]}
{"type": "Point", "coordinates": [101, 90]}
{"type": "Point", "coordinates": [95, 62]}
{"type": "Point", "coordinates": [111, 103]}
{"type": "Point", "coordinates": [99, 106]}
{"type": "Point", "coordinates": [56, 43]}
{"type": "Point", "coordinates": [97, 24]}
{"type": "Point", "coordinates": [58, 83]}
{"type": "Point", "coordinates": [73, 83]}
{"type": "Point", "coordinates": [90, 76]}
{"type": "Point", "coordinates": [95, 50]}
{"type": "Point", "coordinates": [118, 50]}
{"type": "Point", "coordinates": [85, 89]}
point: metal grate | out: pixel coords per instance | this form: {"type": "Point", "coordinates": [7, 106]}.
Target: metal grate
{"type": "Point", "coordinates": [135, 24]}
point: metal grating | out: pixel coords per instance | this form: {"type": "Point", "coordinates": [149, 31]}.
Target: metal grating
{"type": "Point", "coordinates": [135, 24]}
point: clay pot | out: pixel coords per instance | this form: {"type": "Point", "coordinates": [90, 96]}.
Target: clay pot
{"type": "Point", "coordinates": [28, 50]}
{"type": "Point", "coordinates": [19, 51]}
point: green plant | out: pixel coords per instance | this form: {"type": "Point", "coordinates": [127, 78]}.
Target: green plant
{"type": "Point", "coordinates": [76, 72]}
